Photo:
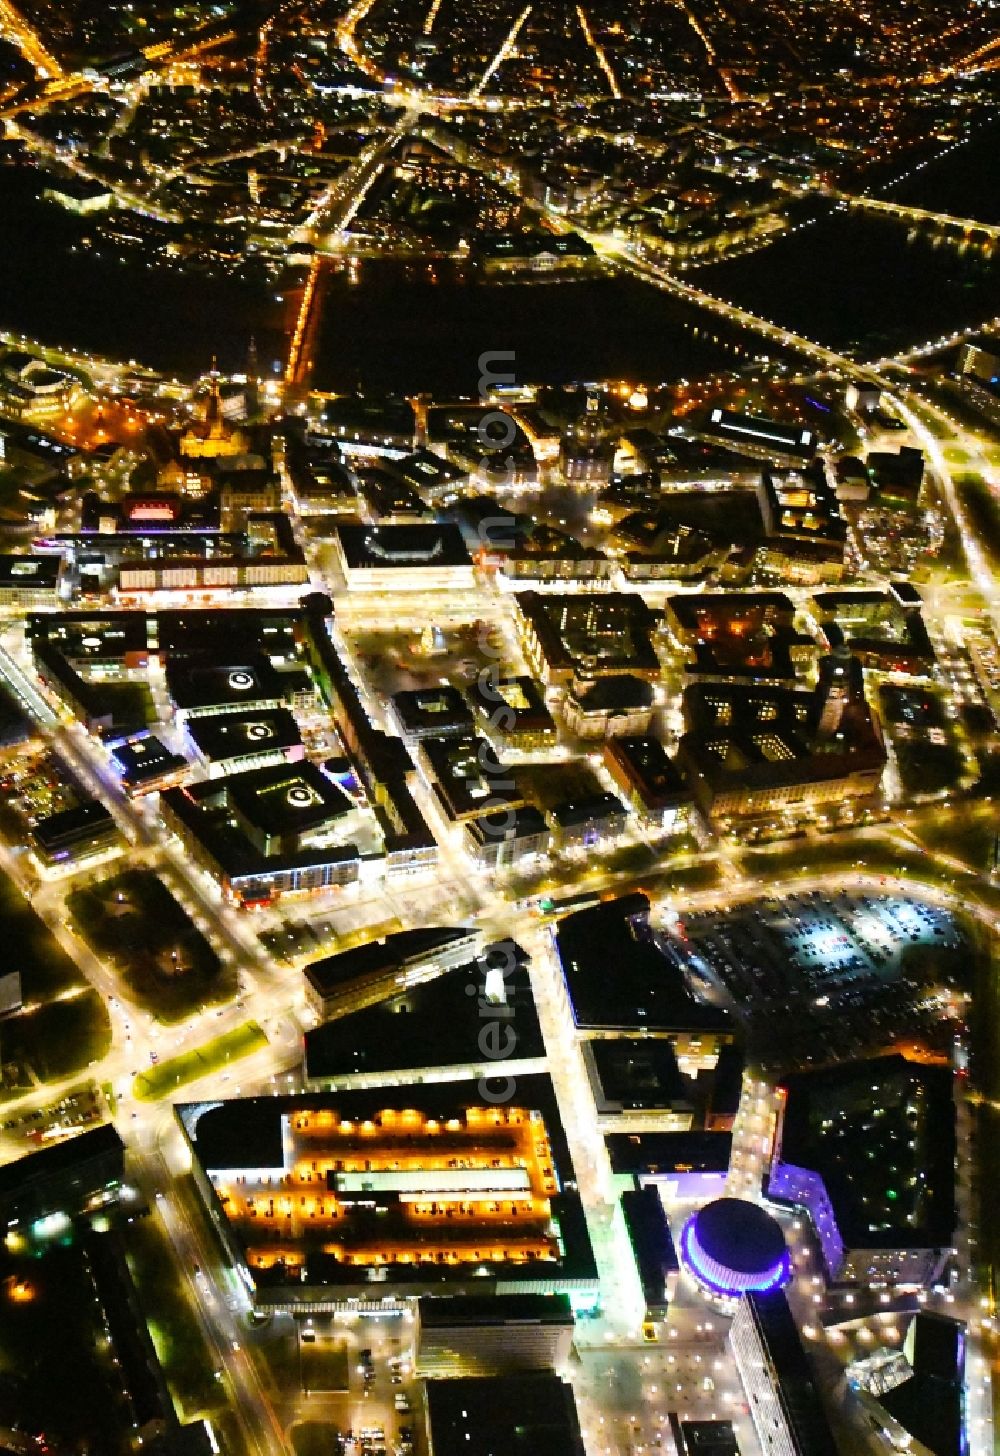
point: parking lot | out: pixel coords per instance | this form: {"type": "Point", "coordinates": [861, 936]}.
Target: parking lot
{"type": "Point", "coordinates": [853, 971]}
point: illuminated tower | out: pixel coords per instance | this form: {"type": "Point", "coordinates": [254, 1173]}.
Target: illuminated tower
{"type": "Point", "coordinates": [251, 394]}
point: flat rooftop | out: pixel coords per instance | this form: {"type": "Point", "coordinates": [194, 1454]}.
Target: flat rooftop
{"type": "Point", "coordinates": [594, 633]}
{"type": "Point", "coordinates": [446, 1311]}
{"type": "Point", "coordinates": [637, 1074]}
{"type": "Point", "coordinates": [792, 1374]}
{"type": "Point", "coordinates": [59, 1159]}
{"type": "Point", "coordinates": [652, 1244]}
{"type": "Point", "coordinates": [334, 972]}
{"type": "Point", "coordinates": [408, 1188]}
{"type": "Point", "coordinates": [511, 704]}
{"type": "Point", "coordinates": [287, 798]}
{"type": "Point", "coordinates": [648, 767]}
{"type": "Point", "coordinates": [221, 736]}
{"type": "Point", "coordinates": [432, 711]}
{"type": "Point", "coordinates": [469, 779]}
{"type": "Point", "coordinates": [618, 979]}
{"type": "Point", "coordinates": [761, 432]}
{"type": "Point", "coordinates": [196, 685]}
{"type": "Point", "coordinates": [881, 1134]}
{"type": "Point", "coordinates": [433, 1024]}
{"type": "Point", "coordinates": [405, 548]}
{"type": "Point", "coordinates": [29, 573]}
{"type": "Point", "coordinates": [145, 758]}
{"type": "Point", "coordinates": [96, 635]}
{"type": "Point", "coordinates": [654, 1153]}
{"type": "Point", "coordinates": [509, 1415]}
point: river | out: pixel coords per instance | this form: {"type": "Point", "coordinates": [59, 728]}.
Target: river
{"type": "Point", "coordinates": [863, 283]}
{"type": "Point", "coordinates": [55, 289]}
{"type": "Point", "coordinates": [405, 327]}
{"type": "Point", "coordinates": [853, 281]}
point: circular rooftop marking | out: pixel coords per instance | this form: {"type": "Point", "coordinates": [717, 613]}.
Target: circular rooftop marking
{"type": "Point", "coordinates": [733, 1246]}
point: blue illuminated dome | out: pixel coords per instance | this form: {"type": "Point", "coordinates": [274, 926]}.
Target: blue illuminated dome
{"type": "Point", "coordinates": [732, 1246]}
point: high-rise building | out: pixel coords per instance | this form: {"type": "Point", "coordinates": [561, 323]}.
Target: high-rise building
{"type": "Point", "coordinates": [787, 1412]}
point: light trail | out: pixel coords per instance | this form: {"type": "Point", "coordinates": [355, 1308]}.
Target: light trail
{"type": "Point", "coordinates": [967, 63]}
{"type": "Point", "coordinates": [598, 50]}
{"type": "Point", "coordinates": [294, 362]}
{"type": "Point", "coordinates": [347, 39]}
{"type": "Point", "coordinates": [260, 61]}
{"type": "Point", "coordinates": [979, 566]}
{"type": "Point", "coordinates": [503, 53]}
{"type": "Point", "coordinates": [922, 214]}
{"type": "Point", "coordinates": [29, 43]}
{"type": "Point", "coordinates": [710, 54]}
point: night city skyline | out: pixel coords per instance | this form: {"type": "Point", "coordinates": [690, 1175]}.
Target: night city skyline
{"type": "Point", "coordinates": [499, 727]}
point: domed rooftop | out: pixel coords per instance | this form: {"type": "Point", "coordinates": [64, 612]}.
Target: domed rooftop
{"type": "Point", "coordinates": [733, 1246]}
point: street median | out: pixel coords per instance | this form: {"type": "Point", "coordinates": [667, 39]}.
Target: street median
{"type": "Point", "coordinates": [176, 1071]}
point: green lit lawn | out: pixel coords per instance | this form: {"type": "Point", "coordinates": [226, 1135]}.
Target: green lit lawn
{"type": "Point", "coordinates": [173, 1325]}
{"type": "Point", "coordinates": [967, 832]}
{"type": "Point", "coordinates": [703, 876]}
{"type": "Point", "coordinates": [984, 512]}
{"type": "Point", "coordinates": [61, 1038]}
{"type": "Point", "coordinates": [816, 856]}
{"type": "Point", "coordinates": [189, 1066]}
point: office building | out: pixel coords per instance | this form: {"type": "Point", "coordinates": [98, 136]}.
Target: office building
{"type": "Point", "coordinates": [636, 1082]}
{"type": "Point", "coordinates": [511, 711]}
{"type": "Point", "coordinates": [81, 1173]}
{"type": "Point", "coordinates": [30, 581]}
{"type": "Point", "coordinates": [739, 636]}
{"type": "Point", "coordinates": [881, 629]}
{"type": "Point", "coordinates": [473, 1337]}
{"type": "Point", "coordinates": [587, 636]}
{"type": "Point", "coordinates": [805, 531]}
{"type": "Point", "coordinates": [504, 838]}
{"type": "Point", "coordinates": [267, 832]}
{"type": "Point", "coordinates": [353, 979]}
{"type": "Point", "coordinates": [71, 835]}
{"type": "Point", "coordinates": [757, 436]}
{"type": "Point", "coordinates": [431, 713]}
{"type": "Point", "coordinates": [703, 1438]}
{"type": "Point", "coordinates": [588, 822]}
{"type": "Point", "coordinates": [915, 1398]}
{"type": "Point", "coordinates": [201, 685]}
{"type": "Point", "coordinates": [477, 1020]}
{"type": "Point", "coordinates": [228, 743]}
{"type": "Point", "coordinates": [605, 707]}
{"type": "Point", "coordinates": [403, 558]}
{"type": "Point", "coordinates": [781, 1392]}
{"type": "Point", "coordinates": [757, 750]}
{"type": "Point", "coordinates": [504, 1415]}
{"type": "Point", "coordinates": [147, 766]}
{"type": "Point", "coordinates": [647, 993]}
{"type": "Point", "coordinates": [652, 1248]}
{"type": "Point", "coordinates": [365, 1200]}
{"type": "Point", "coordinates": [649, 781]}
{"type": "Point", "coordinates": [867, 1150]}
{"type": "Point", "coordinates": [684, 1165]}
